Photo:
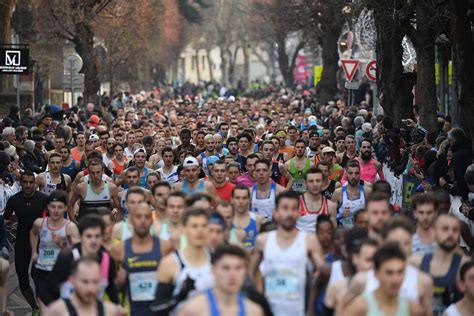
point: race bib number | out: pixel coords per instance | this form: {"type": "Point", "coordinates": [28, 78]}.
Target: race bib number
{"type": "Point", "coordinates": [48, 257]}
{"type": "Point", "coordinates": [347, 222]}
{"type": "Point", "coordinates": [142, 286]}
{"type": "Point", "coordinates": [299, 186]}
{"type": "Point", "coordinates": [282, 284]}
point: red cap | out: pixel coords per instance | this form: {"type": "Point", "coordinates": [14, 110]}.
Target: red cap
{"type": "Point", "coordinates": [94, 121]}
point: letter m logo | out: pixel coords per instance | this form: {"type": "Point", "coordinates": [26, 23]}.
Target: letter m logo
{"type": "Point", "coordinates": [12, 58]}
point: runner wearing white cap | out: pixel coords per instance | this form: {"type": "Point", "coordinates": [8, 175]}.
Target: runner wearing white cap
{"type": "Point", "coordinates": [192, 183]}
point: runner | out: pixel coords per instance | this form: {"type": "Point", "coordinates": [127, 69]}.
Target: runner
{"type": "Point", "coordinates": [334, 276]}
{"type": "Point", "coordinates": [108, 220]}
{"type": "Point", "coordinates": [284, 148]}
{"type": "Point", "coordinates": [233, 147]}
{"type": "Point", "coordinates": [219, 179]}
{"type": "Point", "coordinates": [264, 192]}
{"type": "Point", "coordinates": [123, 229]}
{"type": "Point", "coordinates": [132, 177]}
{"type": "Point", "coordinates": [27, 205]}
{"type": "Point", "coordinates": [221, 151]}
{"type": "Point", "coordinates": [378, 210]}
{"type": "Point", "coordinates": [85, 279]}
{"type": "Point", "coordinates": [217, 232]}
{"type": "Point", "coordinates": [329, 186]}
{"type": "Point", "coordinates": [296, 168]}
{"type": "Point", "coordinates": [361, 258]}
{"type": "Point", "coordinates": [140, 256]}
{"type": "Point", "coordinates": [249, 179]}
{"type": "Point", "coordinates": [268, 149]}
{"type": "Point", "coordinates": [340, 147]}
{"type": "Point", "coordinates": [247, 224]}
{"type": "Point", "coordinates": [335, 170]}
{"type": "Point", "coordinates": [465, 306]}
{"type": "Point", "coordinates": [186, 146]}
{"type": "Point", "coordinates": [313, 203]}
{"type": "Point", "coordinates": [390, 265]}
{"type": "Point", "coordinates": [172, 228]}
{"type": "Point", "coordinates": [139, 160]}
{"type": "Point", "coordinates": [109, 155]}
{"type": "Point", "coordinates": [169, 172]}
{"type": "Point", "coordinates": [209, 151]}
{"type": "Point", "coordinates": [285, 254]}
{"type": "Point", "coordinates": [233, 171]}
{"type": "Point", "coordinates": [444, 262]}
{"type": "Point", "coordinates": [128, 152]}
{"type": "Point", "coordinates": [351, 196]}
{"type": "Point", "coordinates": [91, 230]}
{"type": "Point", "coordinates": [69, 166]}
{"type": "Point", "coordinates": [369, 167]}
{"type": "Point", "coordinates": [425, 209]}
{"type": "Point", "coordinates": [160, 192]}
{"type": "Point", "coordinates": [245, 150]}
{"type": "Point", "coordinates": [152, 178]}
{"type": "Point", "coordinates": [94, 192]}
{"type": "Point", "coordinates": [119, 162]}
{"type": "Point", "coordinates": [229, 267]}
{"type": "Point", "coordinates": [48, 236]}
{"type": "Point", "coordinates": [53, 179]}
{"type": "Point", "coordinates": [350, 152]}
{"type": "Point", "coordinates": [417, 286]}
{"type": "Point", "coordinates": [186, 272]}
{"type": "Point", "coordinates": [78, 151]}
{"type": "Point", "coordinates": [192, 183]}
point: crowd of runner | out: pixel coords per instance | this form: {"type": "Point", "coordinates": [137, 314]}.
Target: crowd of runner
{"type": "Point", "coordinates": [235, 205]}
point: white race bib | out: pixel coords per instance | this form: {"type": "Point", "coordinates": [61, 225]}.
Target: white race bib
{"type": "Point", "coordinates": [142, 286]}
{"type": "Point", "coordinates": [282, 284]}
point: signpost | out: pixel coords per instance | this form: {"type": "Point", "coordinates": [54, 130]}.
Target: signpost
{"type": "Point", "coordinates": [371, 70]}
{"type": "Point", "coordinates": [73, 80]}
{"type": "Point", "coordinates": [15, 60]}
{"type": "Point", "coordinates": [350, 68]}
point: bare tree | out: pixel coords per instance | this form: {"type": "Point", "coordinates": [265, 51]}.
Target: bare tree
{"type": "Point", "coordinates": [281, 22]}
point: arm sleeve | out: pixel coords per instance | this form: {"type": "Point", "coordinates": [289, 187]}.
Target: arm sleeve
{"type": "Point", "coordinates": [111, 289]}
{"type": "Point", "coordinates": [59, 274]}
{"type": "Point", "coordinates": [8, 209]}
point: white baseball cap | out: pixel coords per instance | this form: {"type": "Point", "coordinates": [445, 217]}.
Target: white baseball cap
{"type": "Point", "coordinates": [94, 137]}
{"type": "Point", "coordinates": [190, 162]}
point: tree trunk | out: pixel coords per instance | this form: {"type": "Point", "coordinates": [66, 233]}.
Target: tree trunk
{"type": "Point", "coordinates": [209, 62]}
{"type": "Point", "coordinates": [393, 88]}
{"type": "Point", "coordinates": [286, 64]}
{"type": "Point", "coordinates": [246, 51]}
{"type": "Point", "coordinates": [6, 11]}
{"type": "Point", "coordinates": [463, 64]}
{"type": "Point", "coordinates": [232, 60]}
{"type": "Point", "coordinates": [111, 78]}
{"type": "Point", "coordinates": [223, 66]}
{"type": "Point", "coordinates": [196, 62]}
{"type": "Point", "coordinates": [327, 87]}
{"type": "Point", "coordinates": [426, 86]}
{"type": "Point", "coordinates": [84, 44]}
{"type": "Point", "coordinates": [288, 77]}
{"type": "Point", "coordinates": [425, 82]}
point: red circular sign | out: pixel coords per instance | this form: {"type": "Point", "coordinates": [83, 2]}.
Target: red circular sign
{"type": "Point", "coordinates": [371, 70]}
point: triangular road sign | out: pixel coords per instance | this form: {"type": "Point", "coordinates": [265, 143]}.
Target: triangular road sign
{"type": "Point", "coordinates": [350, 67]}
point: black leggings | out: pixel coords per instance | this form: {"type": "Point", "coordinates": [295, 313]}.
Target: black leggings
{"type": "Point", "coordinates": [22, 262]}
